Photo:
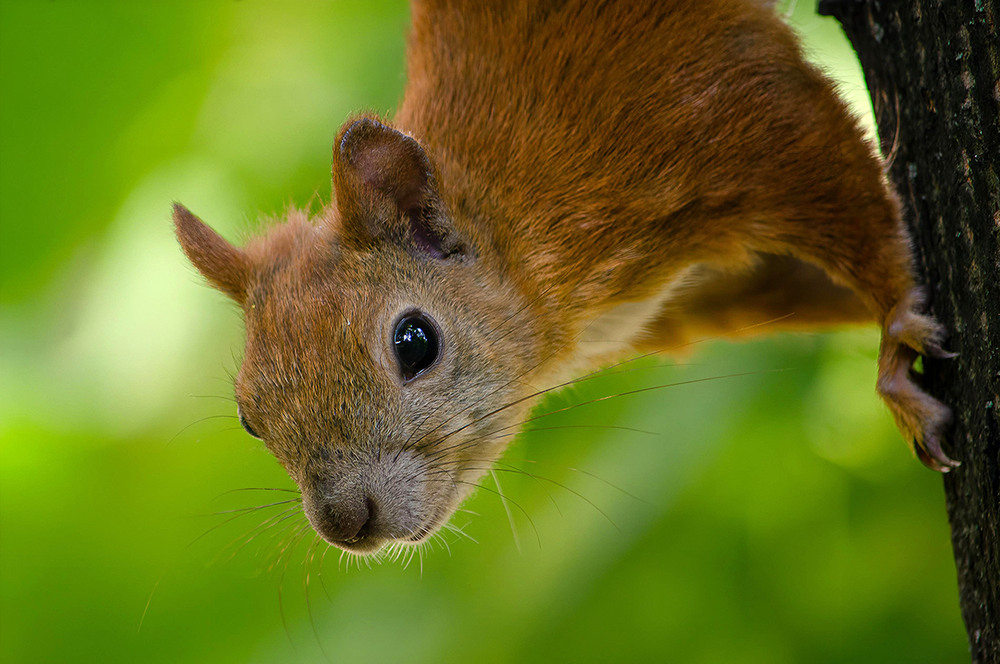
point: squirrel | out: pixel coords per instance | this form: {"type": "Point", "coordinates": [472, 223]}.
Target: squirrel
{"type": "Point", "coordinates": [557, 173]}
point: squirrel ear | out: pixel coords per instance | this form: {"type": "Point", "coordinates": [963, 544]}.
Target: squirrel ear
{"type": "Point", "coordinates": [382, 177]}
{"type": "Point", "coordinates": [225, 266]}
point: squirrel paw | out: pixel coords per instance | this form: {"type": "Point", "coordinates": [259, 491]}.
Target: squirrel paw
{"type": "Point", "coordinates": [921, 418]}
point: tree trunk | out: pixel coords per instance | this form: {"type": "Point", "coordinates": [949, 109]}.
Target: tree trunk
{"type": "Point", "coordinates": [932, 70]}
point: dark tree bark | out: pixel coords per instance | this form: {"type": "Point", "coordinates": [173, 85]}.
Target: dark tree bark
{"type": "Point", "coordinates": [933, 71]}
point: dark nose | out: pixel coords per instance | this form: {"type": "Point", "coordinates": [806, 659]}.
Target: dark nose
{"type": "Point", "coordinates": [345, 518]}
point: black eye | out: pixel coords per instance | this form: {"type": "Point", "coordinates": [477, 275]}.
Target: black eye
{"type": "Point", "coordinates": [246, 425]}
{"type": "Point", "coordinates": [416, 343]}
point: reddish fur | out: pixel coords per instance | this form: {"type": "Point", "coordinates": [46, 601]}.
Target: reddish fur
{"type": "Point", "coordinates": [708, 139]}
{"type": "Point", "coordinates": [568, 157]}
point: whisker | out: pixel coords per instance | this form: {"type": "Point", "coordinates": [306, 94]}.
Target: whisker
{"type": "Point", "coordinates": [256, 488]}
{"type": "Point", "coordinates": [604, 371]}
{"type": "Point", "coordinates": [607, 371]}
{"type": "Point", "coordinates": [286, 533]}
{"type": "Point", "coordinates": [537, 393]}
{"type": "Point", "coordinates": [230, 375]}
{"type": "Point", "coordinates": [217, 526]}
{"type": "Point", "coordinates": [408, 556]}
{"type": "Point", "coordinates": [451, 527]}
{"type": "Point", "coordinates": [260, 529]}
{"type": "Point", "coordinates": [652, 388]}
{"type": "Point", "coordinates": [211, 396]}
{"type": "Point", "coordinates": [548, 494]}
{"type": "Point", "coordinates": [235, 515]}
{"type": "Point", "coordinates": [562, 486]}
{"type": "Point", "coordinates": [613, 427]}
{"type": "Point", "coordinates": [254, 508]}
{"type": "Point", "coordinates": [486, 488]}
{"type": "Point", "coordinates": [506, 508]}
{"type": "Point", "coordinates": [589, 474]}
{"type": "Point", "coordinates": [307, 563]}
{"type": "Point", "coordinates": [438, 537]}
{"type": "Point", "coordinates": [438, 453]}
{"type": "Point", "coordinates": [149, 599]}
{"type": "Point", "coordinates": [281, 585]}
{"type": "Point", "coordinates": [599, 479]}
{"type": "Point", "coordinates": [507, 468]}
{"type": "Point", "coordinates": [319, 575]}
{"type": "Point", "coordinates": [199, 421]}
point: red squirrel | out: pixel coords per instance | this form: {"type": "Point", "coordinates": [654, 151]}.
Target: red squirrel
{"type": "Point", "coordinates": [558, 173]}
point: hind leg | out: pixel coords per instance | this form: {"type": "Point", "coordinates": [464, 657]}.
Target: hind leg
{"type": "Point", "coordinates": [907, 333]}
{"type": "Point", "coordinates": [782, 293]}
{"type": "Point", "coordinates": [776, 293]}
{"type": "Point", "coordinates": [874, 259]}
{"type": "Point", "coordinates": [820, 195]}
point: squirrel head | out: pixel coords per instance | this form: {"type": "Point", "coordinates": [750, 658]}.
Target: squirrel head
{"type": "Point", "coordinates": [383, 359]}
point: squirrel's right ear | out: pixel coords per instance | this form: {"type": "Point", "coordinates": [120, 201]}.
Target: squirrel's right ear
{"type": "Point", "coordinates": [226, 267]}
{"type": "Point", "coordinates": [386, 190]}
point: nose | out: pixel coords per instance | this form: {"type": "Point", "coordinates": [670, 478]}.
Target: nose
{"type": "Point", "coordinates": [345, 519]}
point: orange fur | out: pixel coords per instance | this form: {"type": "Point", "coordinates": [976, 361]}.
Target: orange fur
{"type": "Point", "coordinates": [674, 167]}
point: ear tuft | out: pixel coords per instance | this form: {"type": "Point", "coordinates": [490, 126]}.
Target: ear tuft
{"type": "Point", "coordinates": [382, 176]}
{"type": "Point", "coordinates": [226, 267]}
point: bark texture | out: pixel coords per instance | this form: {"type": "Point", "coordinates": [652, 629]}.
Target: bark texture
{"type": "Point", "coordinates": [933, 71]}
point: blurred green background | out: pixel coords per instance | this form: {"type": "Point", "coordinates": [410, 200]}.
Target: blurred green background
{"type": "Point", "coordinates": [775, 517]}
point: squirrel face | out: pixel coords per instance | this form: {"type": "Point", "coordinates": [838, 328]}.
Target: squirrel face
{"type": "Point", "coordinates": [374, 370]}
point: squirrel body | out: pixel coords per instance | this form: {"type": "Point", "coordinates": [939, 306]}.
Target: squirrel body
{"type": "Point", "coordinates": [563, 183]}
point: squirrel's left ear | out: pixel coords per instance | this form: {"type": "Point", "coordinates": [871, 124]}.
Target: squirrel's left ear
{"type": "Point", "coordinates": [385, 189]}
{"type": "Point", "coordinates": [226, 267]}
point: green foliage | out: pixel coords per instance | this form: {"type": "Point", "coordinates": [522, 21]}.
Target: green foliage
{"type": "Point", "coordinates": [773, 517]}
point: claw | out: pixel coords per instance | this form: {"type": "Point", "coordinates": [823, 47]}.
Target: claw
{"type": "Point", "coordinates": [931, 455]}
{"type": "Point", "coordinates": [926, 458]}
{"type": "Point", "coordinates": [933, 350]}
{"type": "Point", "coordinates": [922, 418]}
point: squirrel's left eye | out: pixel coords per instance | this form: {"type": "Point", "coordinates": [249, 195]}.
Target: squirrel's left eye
{"type": "Point", "coordinates": [415, 342]}
{"type": "Point", "coordinates": [246, 425]}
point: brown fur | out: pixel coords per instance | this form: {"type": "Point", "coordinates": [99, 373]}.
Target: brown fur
{"type": "Point", "coordinates": [553, 164]}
